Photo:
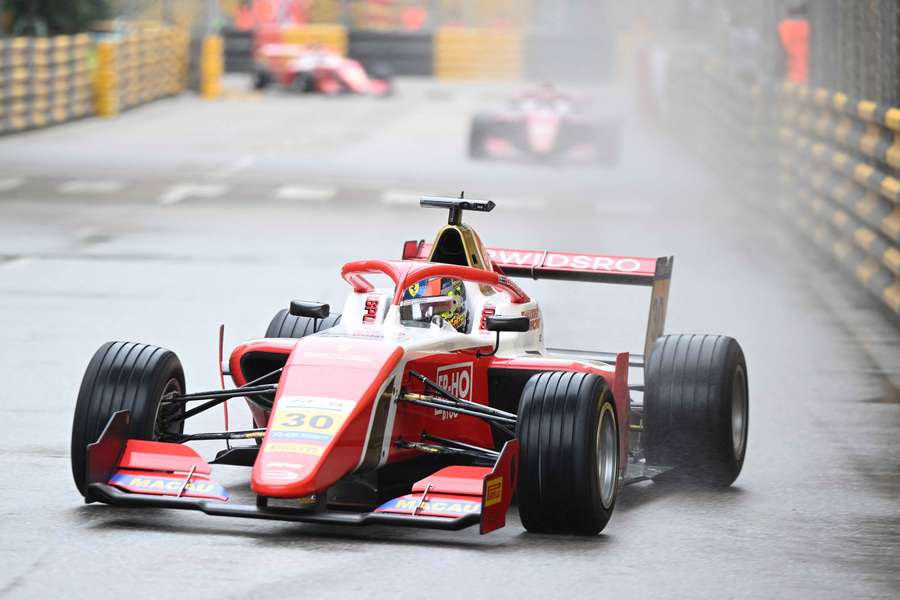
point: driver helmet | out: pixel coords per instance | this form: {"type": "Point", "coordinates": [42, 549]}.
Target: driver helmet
{"type": "Point", "coordinates": [457, 314]}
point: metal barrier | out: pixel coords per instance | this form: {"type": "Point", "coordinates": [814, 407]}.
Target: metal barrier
{"type": "Point", "coordinates": [238, 50]}
{"type": "Point", "coordinates": [43, 81]}
{"type": "Point", "coordinates": [839, 165]}
{"type": "Point", "coordinates": [401, 53]}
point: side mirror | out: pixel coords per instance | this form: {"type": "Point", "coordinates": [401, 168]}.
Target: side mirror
{"type": "Point", "coordinates": [499, 324]}
{"type": "Point", "coordinates": [313, 310]}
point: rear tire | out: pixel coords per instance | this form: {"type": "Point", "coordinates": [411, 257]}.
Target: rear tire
{"type": "Point", "coordinates": [286, 325]}
{"type": "Point", "coordinates": [126, 376]}
{"type": "Point", "coordinates": [568, 453]}
{"type": "Point", "coordinates": [696, 408]}
{"type": "Point", "coordinates": [262, 79]}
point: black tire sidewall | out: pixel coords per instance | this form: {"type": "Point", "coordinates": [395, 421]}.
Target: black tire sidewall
{"type": "Point", "coordinates": [121, 376]}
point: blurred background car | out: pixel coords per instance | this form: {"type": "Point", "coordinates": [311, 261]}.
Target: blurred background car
{"type": "Point", "coordinates": [546, 124]}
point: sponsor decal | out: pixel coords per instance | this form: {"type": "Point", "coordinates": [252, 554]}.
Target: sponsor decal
{"type": "Point", "coordinates": [578, 262]}
{"type": "Point", "coordinates": [449, 508]}
{"type": "Point", "coordinates": [534, 318]}
{"type": "Point", "coordinates": [306, 424]}
{"type": "Point", "coordinates": [456, 379]}
{"type": "Point", "coordinates": [494, 492]}
{"type": "Point", "coordinates": [286, 448]}
{"type": "Point", "coordinates": [168, 485]}
{"type": "Point", "coordinates": [371, 312]}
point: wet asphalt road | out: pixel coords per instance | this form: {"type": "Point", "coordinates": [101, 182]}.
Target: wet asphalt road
{"type": "Point", "coordinates": [177, 216]}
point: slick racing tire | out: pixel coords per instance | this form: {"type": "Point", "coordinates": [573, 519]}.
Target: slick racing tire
{"type": "Point", "coordinates": [568, 453]}
{"type": "Point", "coordinates": [286, 325]}
{"type": "Point", "coordinates": [262, 78]}
{"type": "Point", "coordinates": [126, 376]}
{"type": "Point", "coordinates": [696, 408]}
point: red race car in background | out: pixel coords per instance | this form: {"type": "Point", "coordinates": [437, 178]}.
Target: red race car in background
{"type": "Point", "coordinates": [314, 69]}
{"type": "Point", "coordinates": [549, 125]}
{"type": "Point", "coordinates": [428, 402]}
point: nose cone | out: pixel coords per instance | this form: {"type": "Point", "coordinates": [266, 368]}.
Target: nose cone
{"type": "Point", "coordinates": [320, 422]}
{"type": "Point", "coordinates": [543, 129]}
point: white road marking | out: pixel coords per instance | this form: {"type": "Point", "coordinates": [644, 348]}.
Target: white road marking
{"type": "Point", "coordinates": [302, 192]}
{"type": "Point", "coordinates": [232, 168]}
{"type": "Point", "coordinates": [400, 197]}
{"type": "Point", "coordinates": [11, 183]}
{"type": "Point", "coordinates": [97, 186]}
{"type": "Point", "coordinates": [182, 191]}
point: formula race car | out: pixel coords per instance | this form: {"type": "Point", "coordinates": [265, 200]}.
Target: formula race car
{"type": "Point", "coordinates": [314, 69]}
{"type": "Point", "coordinates": [549, 125]}
{"type": "Point", "coordinates": [428, 402]}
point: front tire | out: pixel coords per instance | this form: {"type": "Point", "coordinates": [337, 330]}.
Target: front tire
{"type": "Point", "coordinates": [286, 325]}
{"type": "Point", "coordinates": [696, 406]}
{"type": "Point", "coordinates": [126, 376]}
{"type": "Point", "coordinates": [568, 453]}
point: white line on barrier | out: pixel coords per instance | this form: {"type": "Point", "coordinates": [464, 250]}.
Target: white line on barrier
{"type": "Point", "coordinates": [11, 183]}
{"type": "Point", "coordinates": [400, 197]}
{"type": "Point", "coordinates": [183, 191]}
{"type": "Point", "coordinates": [301, 192]}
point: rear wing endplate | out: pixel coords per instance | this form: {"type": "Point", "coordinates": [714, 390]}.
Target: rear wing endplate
{"type": "Point", "coordinates": [655, 273]}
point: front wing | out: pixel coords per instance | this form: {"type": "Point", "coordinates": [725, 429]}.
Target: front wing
{"type": "Point", "coordinates": [143, 474]}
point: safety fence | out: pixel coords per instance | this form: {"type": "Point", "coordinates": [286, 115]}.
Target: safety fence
{"type": "Point", "coordinates": [840, 163]}
{"type": "Point", "coordinates": [43, 81]}
{"type": "Point", "coordinates": [832, 162]}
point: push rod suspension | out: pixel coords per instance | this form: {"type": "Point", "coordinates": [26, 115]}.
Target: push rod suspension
{"type": "Point", "coordinates": [468, 404]}
{"type": "Point", "coordinates": [249, 434]}
{"type": "Point", "coordinates": [415, 399]}
{"type": "Point", "coordinates": [217, 397]}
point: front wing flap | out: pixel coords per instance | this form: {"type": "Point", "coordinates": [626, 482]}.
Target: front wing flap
{"type": "Point", "coordinates": [144, 474]}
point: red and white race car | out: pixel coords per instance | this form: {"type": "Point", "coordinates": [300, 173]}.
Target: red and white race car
{"type": "Point", "coordinates": [428, 402]}
{"type": "Point", "coordinates": [548, 125]}
{"type": "Point", "coordinates": [314, 69]}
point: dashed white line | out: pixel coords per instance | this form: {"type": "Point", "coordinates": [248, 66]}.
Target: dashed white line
{"type": "Point", "coordinates": [11, 183]}
{"type": "Point", "coordinates": [183, 191]}
{"type": "Point", "coordinates": [400, 197]}
{"type": "Point", "coordinates": [97, 186]}
{"type": "Point", "coordinates": [302, 192]}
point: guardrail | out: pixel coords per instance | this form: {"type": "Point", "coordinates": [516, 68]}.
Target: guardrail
{"type": "Point", "coordinates": [43, 81]}
{"type": "Point", "coordinates": [140, 66]}
{"type": "Point", "coordinates": [831, 161]}
{"type": "Point", "coordinates": [840, 162]}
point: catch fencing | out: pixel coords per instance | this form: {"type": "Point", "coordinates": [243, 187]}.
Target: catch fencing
{"type": "Point", "coordinates": [832, 162]}
{"type": "Point", "coordinates": [43, 81]}
{"type": "Point", "coordinates": [840, 164]}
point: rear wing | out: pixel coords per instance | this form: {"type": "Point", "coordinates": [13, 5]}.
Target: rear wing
{"type": "Point", "coordinates": [655, 273]}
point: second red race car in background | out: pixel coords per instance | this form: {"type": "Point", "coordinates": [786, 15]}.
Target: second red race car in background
{"type": "Point", "coordinates": [314, 69]}
{"type": "Point", "coordinates": [549, 125]}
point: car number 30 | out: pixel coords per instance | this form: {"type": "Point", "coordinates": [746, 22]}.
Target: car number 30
{"type": "Point", "coordinates": [299, 420]}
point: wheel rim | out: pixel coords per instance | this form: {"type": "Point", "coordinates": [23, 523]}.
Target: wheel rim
{"type": "Point", "coordinates": [166, 421]}
{"type": "Point", "coordinates": [739, 412]}
{"type": "Point", "coordinates": [607, 455]}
